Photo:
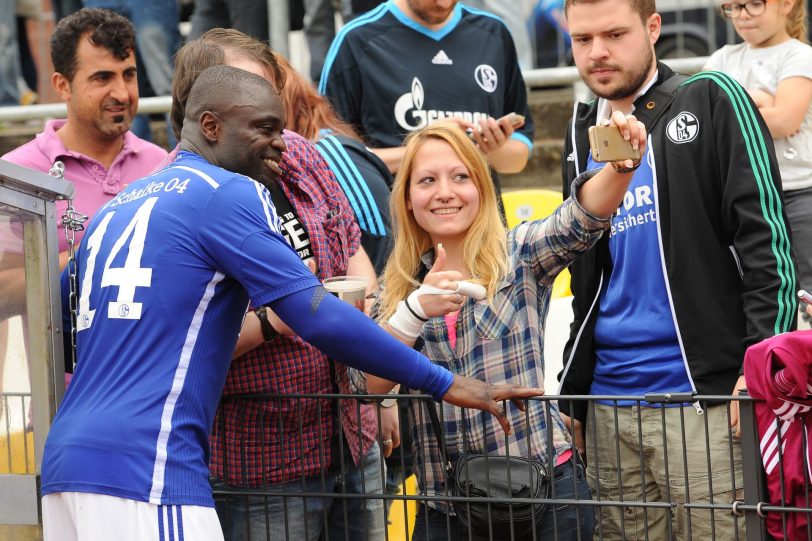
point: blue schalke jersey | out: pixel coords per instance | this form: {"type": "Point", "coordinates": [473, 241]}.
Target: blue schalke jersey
{"type": "Point", "coordinates": [166, 270]}
{"type": "Point", "coordinates": [636, 346]}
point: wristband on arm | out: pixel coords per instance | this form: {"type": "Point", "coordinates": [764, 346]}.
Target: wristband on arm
{"type": "Point", "coordinates": [268, 332]}
{"type": "Point", "coordinates": [409, 315]}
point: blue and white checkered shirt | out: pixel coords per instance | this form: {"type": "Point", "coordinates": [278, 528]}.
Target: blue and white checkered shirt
{"type": "Point", "coordinates": [503, 343]}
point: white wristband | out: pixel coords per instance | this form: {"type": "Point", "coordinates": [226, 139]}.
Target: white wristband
{"type": "Point", "coordinates": [409, 316]}
{"type": "Point", "coordinates": [408, 319]}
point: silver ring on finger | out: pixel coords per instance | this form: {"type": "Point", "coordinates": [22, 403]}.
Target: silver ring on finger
{"type": "Point", "coordinates": [387, 442]}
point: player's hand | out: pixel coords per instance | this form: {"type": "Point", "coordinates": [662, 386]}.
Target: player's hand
{"type": "Point", "coordinates": [440, 305]}
{"type": "Point", "coordinates": [473, 393]}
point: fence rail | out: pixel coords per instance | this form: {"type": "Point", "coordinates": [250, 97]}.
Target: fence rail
{"type": "Point", "coordinates": [713, 490]}
{"type": "Point", "coordinates": [537, 78]}
{"type": "Point", "coordinates": [346, 498]}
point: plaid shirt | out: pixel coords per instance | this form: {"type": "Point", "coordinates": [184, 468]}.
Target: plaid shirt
{"type": "Point", "coordinates": [257, 442]}
{"type": "Point", "coordinates": [502, 343]}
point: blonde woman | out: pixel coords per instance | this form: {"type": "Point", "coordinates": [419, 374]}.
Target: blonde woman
{"type": "Point", "coordinates": [447, 230]}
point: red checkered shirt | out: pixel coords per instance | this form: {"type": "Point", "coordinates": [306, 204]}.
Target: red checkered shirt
{"type": "Point", "coordinates": [258, 442]}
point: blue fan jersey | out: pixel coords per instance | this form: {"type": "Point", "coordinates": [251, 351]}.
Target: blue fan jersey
{"type": "Point", "coordinates": [166, 271]}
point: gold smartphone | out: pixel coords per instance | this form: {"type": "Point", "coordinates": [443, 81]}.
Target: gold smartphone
{"type": "Point", "coordinates": [608, 145]}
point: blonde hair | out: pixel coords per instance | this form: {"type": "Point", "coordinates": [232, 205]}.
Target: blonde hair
{"type": "Point", "coordinates": [796, 21]}
{"type": "Point", "coordinates": [485, 244]}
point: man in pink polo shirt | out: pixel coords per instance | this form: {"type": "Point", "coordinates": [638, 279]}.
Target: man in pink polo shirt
{"type": "Point", "coordinates": [93, 52]}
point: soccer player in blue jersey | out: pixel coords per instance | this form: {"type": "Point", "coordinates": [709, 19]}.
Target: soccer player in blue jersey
{"type": "Point", "coordinates": [166, 271]}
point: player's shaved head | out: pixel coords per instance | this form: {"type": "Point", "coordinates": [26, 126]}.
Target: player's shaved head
{"type": "Point", "coordinates": [219, 88]}
{"type": "Point", "coordinates": [234, 119]}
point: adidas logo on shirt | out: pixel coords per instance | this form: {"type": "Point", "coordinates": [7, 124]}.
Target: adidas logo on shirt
{"type": "Point", "coordinates": [442, 58]}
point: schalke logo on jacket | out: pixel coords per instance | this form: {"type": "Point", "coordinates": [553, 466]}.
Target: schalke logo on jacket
{"type": "Point", "coordinates": [683, 128]}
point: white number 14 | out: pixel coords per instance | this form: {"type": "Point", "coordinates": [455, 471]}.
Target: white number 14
{"type": "Point", "coordinates": [128, 277]}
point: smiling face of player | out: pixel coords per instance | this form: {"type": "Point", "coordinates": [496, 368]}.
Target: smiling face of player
{"type": "Point", "coordinates": [251, 139]}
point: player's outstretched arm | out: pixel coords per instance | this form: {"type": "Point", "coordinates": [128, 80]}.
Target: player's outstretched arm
{"type": "Point", "coordinates": [348, 336]}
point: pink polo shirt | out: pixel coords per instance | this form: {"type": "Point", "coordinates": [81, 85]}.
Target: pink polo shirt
{"type": "Point", "coordinates": [94, 184]}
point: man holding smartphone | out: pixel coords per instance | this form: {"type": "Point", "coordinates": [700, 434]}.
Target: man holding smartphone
{"type": "Point", "coordinates": [696, 266]}
{"type": "Point", "coordinates": [408, 63]}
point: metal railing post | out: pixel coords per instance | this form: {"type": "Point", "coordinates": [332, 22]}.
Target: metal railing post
{"type": "Point", "coordinates": [755, 490]}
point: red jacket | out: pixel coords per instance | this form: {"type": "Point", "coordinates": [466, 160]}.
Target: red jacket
{"type": "Point", "coordinates": [778, 372]}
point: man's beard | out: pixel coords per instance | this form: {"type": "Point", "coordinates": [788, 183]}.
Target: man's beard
{"type": "Point", "coordinates": [430, 16]}
{"type": "Point", "coordinates": [632, 83]}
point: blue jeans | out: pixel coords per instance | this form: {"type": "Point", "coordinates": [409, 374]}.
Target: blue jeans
{"type": "Point", "coordinates": [156, 34]}
{"type": "Point", "coordinates": [10, 70]}
{"type": "Point", "coordinates": [559, 522]}
{"type": "Point", "coordinates": [248, 16]}
{"type": "Point", "coordinates": [310, 518]}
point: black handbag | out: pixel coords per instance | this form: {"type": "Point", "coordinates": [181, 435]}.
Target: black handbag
{"type": "Point", "coordinates": [489, 482]}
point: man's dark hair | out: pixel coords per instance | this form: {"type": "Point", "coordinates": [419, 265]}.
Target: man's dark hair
{"type": "Point", "coordinates": [219, 86]}
{"type": "Point", "coordinates": [104, 28]}
{"type": "Point", "coordinates": [644, 8]}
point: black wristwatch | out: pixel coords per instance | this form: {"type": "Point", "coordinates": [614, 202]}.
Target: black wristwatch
{"type": "Point", "coordinates": [268, 332]}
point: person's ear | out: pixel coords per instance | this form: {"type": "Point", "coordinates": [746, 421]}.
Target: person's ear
{"type": "Point", "coordinates": [210, 126]}
{"type": "Point", "coordinates": [61, 85]}
{"type": "Point", "coordinates": [786, 6]}
{"type": "Point", "coordinates": [653, 27]}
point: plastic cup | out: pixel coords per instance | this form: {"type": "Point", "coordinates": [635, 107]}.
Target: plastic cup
{"type": "Point", "coordinates": [350, 289]}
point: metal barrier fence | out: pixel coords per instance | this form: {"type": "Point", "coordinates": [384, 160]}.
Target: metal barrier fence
{"type": "Point", "coordinates": [537, 78]}
{"type": "Point", "coordinates": [684, 474]}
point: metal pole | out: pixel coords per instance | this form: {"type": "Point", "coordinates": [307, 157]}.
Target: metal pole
{"type": "Point", "coordinates": [279, 26]}
{"type": "Point", "coordinates": [752, 470]}
{"type": "Point", "coordinates": [537, 78]}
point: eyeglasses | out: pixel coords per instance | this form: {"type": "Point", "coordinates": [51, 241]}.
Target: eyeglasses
{"type": "Point", "coordinates": [754, 8]}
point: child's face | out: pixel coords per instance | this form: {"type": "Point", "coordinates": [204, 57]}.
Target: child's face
{"type": "Point", "coordinates": [768, 27]}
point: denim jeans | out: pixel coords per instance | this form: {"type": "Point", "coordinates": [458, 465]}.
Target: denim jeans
{"type": "Point", "coordinates": [559, 522]}
{"type": "Point", "coordinates": [248, 16]}
{"type": "Point", "coordinates": [272, 516]}
{"type": "Point", "coordinates": [319, 30]}
{"type": "Point", "coordinates": [156, 34]}
{"type": "Point", "coordinates": [10, 70]}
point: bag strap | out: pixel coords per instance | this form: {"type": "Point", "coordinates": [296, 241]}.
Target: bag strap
{"type": "Point", "coordinates": [438, 433]}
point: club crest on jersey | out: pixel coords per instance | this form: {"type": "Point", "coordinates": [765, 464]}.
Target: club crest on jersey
{"type": "Point", "coordinates": [683, 128]}
{"type": "Point", "coordinates": [486, 77]}
{"type": "Point", "coordinates": [410, 115]}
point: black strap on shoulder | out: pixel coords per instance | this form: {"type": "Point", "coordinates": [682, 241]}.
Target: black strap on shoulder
{"type": "Point", "coordinates": [651, 105]}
